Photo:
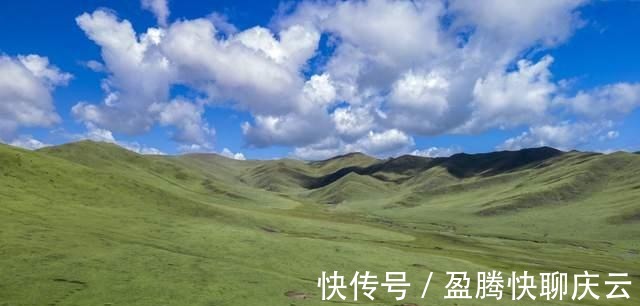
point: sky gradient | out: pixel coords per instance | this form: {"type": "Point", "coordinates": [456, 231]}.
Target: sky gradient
{"type": "Point", "coordinates": [314, 79]}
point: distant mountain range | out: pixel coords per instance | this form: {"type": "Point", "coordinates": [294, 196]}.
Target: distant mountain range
{"type": "Point", "coordinates": [357, 177]}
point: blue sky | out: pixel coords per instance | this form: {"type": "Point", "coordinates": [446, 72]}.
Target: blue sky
{"type": "Point", "coordinates": [314, 79]}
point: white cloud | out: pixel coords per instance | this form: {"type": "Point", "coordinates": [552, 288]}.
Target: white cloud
{"type": "Point", "coordinates": [221, 23]}
{"type": "Point", "coordinates": [28, 142]}
{"type": "Point", "coordinates": [193, 148]}
{"type": "Point", "coordinates": [610, 135]}
{"type": "Point", "coordinates": [137, 90]}
{"type": "Point", "coordinates": [378, 86]}
{"type": "Point", "coordinates": [187, 118]}
{"type": "Point", "coordinates": [384, 30]}
{"type": "Point", "coordinates": [452, 80]}
{"type": "Point", "coordinates": [375, 40]}
{"type": "Point", "coordinates": [421, 91]}
{"type": "Point", "coordinates": [227, 153]}
{"type": "Point", "coordinates": [139, 75]}
{"type": "Point", "coordinates": [26, 85]}
{"type": "Point", "coordinates": [251, 68]}
{"type": "Point", "coordinates": [97, 134]}
{"type": "Point", "coordinates": [140, 149]}
{"type": "Point", "coordinates": [420, 102]}
{"type": "Point", "coordinates": [384, 143]}
{"type": "Point", "coordinates": [42, 69]}
{"type": "Point", "coordinates": [94, 65]}
{"type": "Point", "coordinates": [436, 152]}
{"type": "Point", "coordinates": [318, 91]}
{"type": "Point", "coordinates": [613, 134]}
{"type": "Point", "coordinates": [306, 123]}
{"type": "Point", "coordinates": [327, 148]}
{"type": "Point", "coordinates": [604, 102]}
{"type": "Point", "coordinates": [290, 129]}
{"type": "Point", "coordinates": [160, 8]}
{"type": "Point", "coordinates": [564, 136]}
{"type": "Point", "coordinates": [514, 98]}
{"type": "Point", "coordinates": [502, 29]}
{"type": "Point", "coordinates": [254, 69]}
{"type": "Point", "coordinates": [353, 122]}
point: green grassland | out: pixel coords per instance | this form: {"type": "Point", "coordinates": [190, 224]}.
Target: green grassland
{"type": "Point", "coordinates": [93, 224]}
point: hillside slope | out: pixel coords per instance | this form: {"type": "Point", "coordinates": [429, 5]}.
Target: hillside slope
{"type": "Point", "coordinates": [93, 224]}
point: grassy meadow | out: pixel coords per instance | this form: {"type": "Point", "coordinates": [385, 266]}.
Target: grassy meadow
{"type": "Point", "coordinates": [91, 223]}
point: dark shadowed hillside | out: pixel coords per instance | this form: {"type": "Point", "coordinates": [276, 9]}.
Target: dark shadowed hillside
{"type": "Point", "coordinates": [459, 165]}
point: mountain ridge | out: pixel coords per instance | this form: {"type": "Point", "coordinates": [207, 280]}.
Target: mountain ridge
{"type": "Point", "coordinates": [341, 178]}
{"type": "Point", "coordinates": [106, 144]}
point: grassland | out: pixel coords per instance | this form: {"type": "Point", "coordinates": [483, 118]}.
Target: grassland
{"type": "Point", "coordinates": [93, 224]}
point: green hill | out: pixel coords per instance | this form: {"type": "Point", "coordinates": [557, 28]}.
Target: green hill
{"type": "Point", "coordinates": [343, 161]}
{"type": "Point", "coordinates": [349, 188]}
{"type": "Point", "coordinates": [91, 223]}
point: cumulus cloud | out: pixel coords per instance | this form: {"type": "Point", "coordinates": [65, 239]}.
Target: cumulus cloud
{"type": "Point", "coordinates": [514, 98]}
{"type": "Point", "coordinates": [187, 118]}
{"type": "Point", "coordinates": [352, 122]}
{"type": "Point", "coordinates": [318, 91]}
{"type": "Point", "coordinates": [605, 102]}
{"type": "Point", "coordinates": [139, 75]}
{"type": "Point", "coordinates": [194, 148]}
{"type": "Point", "coordinates": [501, 30]}
{"type": "Point", "coordinates": [40, 67]}
{"type": "Point", "coordinates": [252, 68]}
{"type": "Point", "coordinates": [97, 134]}
{"type": "Point", "coordinates": [159, 8]}
{"type": "Point", "coordinates": [291, 129]}
{"type": "Point", "coordinates": [28, 142]}
{"type": "Point", "coordinates": [433, 152]}
{"type": "Point", "coordinates": [471, 69]}
{"type": "Point", "coordinates": [421, 91]}
{"type": "Point", "coordinates": [137, 89]}
{"type": "Point", "coordinates": [222, 24]}
{"type": "Point", "coordinates": [392, 34]}
{"type": "Point", "coordinates": [26, 85]}
{"type": "Point", "coordinates": [228, 154]}
{"type": "Point", "coordinates": [383, 143]}
{"type": "Point", "coordinates": [140, 149]}
{"type": "Point", "coordinates": [327, 148]}
{"type": "Point", "coordinates": [564, 136]}
{"type": "Point", "coordinates": [255, 69]}
{"type": "Point", "coordinates": [456, 79]}
{"type": "Point", "coordinates": [419, 102]}
{"type": "Point", "coordinates": [384, 30]}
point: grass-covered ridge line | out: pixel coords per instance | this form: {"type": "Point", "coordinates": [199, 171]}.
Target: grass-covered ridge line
{"type": "Point", "coordinates": [93, 224]}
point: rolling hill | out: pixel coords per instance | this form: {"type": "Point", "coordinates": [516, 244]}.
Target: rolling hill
{"type": "Point", "coordinates": [91, 223]}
